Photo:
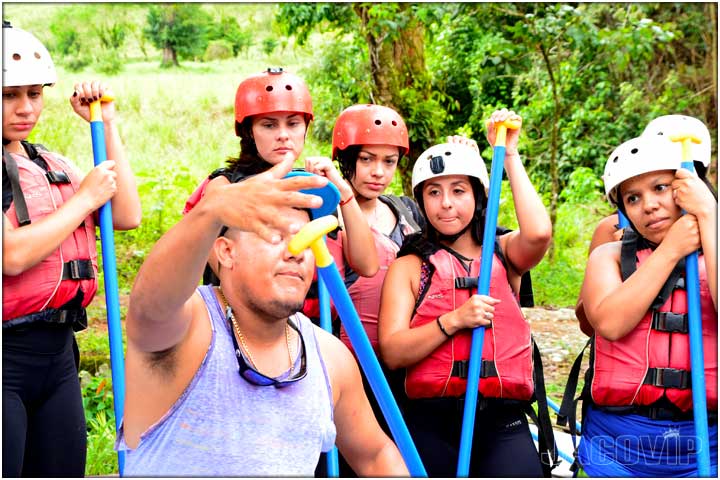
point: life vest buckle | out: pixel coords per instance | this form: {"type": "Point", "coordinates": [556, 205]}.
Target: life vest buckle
{"type": "Point", "coordinates": [670, 322]}
{"type": "Point", "coordinates": [57, 176]}
{"type": "Point", "coordinates": [466, 282]}
{"type": "Point", "coordinates": [78, 270]}
{"type": "Point", "coordinates": [460, 369]}
{"type": "Point", "coordinates": [668, 378]}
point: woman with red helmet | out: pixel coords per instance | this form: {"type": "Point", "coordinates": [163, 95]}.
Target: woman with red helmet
{"type": "Point", "coordinates": [273, 111]}
{"type": "Point", "coordinates": [368, 142]}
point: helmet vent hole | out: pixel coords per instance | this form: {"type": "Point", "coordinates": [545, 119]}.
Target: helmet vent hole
{"type": "Point", "coordinates": [288, 87]}
{"type": "Point", "coordinates": [394, 123]}
{"type": "Point", "coordinates": [16, 56]}
{"type": "Point", "coordinates": [37, 55]}
{"type": "Point", "coordinates": [616, 159]}
{"type": "Point", "coordinates": [447, 154]}
{"type": "Point", "coordinates": [269, 88]}
{"type": "Point", "coordinates": [378, 122]}
{"type": "Point", "coordinates": [634, 151]}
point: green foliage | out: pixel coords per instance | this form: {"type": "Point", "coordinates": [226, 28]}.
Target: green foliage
{"type": "Point", "coordinates": [583, 186]}
{"type": "Point", "coordinates": [110, 64]}
{"type": "Point", "coordinates": [340, 77]}
{"type": "Point", "coordinates": [101, 457]}
{"type": "Point", "coordinates": [228, 30]}
{"type": "Point", "coordinates": [269, 45]}
{"type": "Point", "coordinates": [100, 418]}
{"type": "Point", "coordinates": [97, 392]}
{"type": "Point", "coordinates": [178, 28]}
{"type": "Point", "coordinates": [218, 50]}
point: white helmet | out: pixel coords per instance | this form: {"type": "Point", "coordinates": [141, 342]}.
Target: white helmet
{"type": "Point", "coordinates": [662, 128]}
{"type": "Point", "coordinates": [635, 157]}
{"type": "Point", "coordinates": [449, 159]}
{"type": "Point", "coordinates": [26, 61]}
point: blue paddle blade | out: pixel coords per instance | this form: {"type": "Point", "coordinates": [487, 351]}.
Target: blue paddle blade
{"type": "Point", "coordinates": [329, 194]}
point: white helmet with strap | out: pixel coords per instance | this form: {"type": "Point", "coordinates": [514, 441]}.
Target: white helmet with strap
{"type": "Point", "coordinates": [449, 159]}
{"type": "Point", "coordinates": [635, 157]}
{"type": "Point", "coordinates": [662, 128]}
{"type": "Point", "coordinates": [26, 61]}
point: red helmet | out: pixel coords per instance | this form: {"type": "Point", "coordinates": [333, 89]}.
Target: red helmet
{"type": "Point", "coordinates": [369, 125]}
{"type": "Point", "coordinates": [272, 91]}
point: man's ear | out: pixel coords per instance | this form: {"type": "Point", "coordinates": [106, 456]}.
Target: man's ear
{"type": "Point", "coordinates": [225, 251]}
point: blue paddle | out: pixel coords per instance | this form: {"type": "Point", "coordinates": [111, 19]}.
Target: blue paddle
{"type": "Point", "coordinates": [311, 236]}
{"type": "Point", "coordinates": [478, 335]}
{"type": "Point", "coordinates": [112, 300]}
{"type": "Point", "coordinates": [697, 358]}
{"type": "Point", "coordinates": [333, 467]}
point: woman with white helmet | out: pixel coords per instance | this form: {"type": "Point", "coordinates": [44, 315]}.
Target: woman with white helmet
{"type": "Point", "coordinates": [634, 299]}
{"type": "Point", "coordinates": [608, 229]}
{"type": "Point", "coordinates": [49, 263]}
{"type": "Point", "coordinates": [427, 312]}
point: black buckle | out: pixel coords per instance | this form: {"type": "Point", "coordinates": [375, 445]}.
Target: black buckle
{"type": "Point", "coordinates": [487, 369]}
{"type": "Point", "coordinates": [78, 270]}
{"type": "Point", "coordinates": [461, 367]}
{"type": "Point", "coordinates": [466, 282]}
{"type": "Point", "coordinates": [57, 176]}
{"type": "Point", "coordinates": [668, 378]}
{"type": "Point", "coordinates": [670, 322]}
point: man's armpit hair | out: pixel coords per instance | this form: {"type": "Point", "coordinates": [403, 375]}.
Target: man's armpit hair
{"type": "Point", "coordinates": [163, 362]}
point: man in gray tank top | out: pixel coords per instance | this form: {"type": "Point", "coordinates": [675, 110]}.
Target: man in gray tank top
{"type": "Point", "coordinates": [231, 381]}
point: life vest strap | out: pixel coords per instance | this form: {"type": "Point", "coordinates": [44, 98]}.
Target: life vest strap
{"type": "Point", "coordinates": [668, 378]}
{"type": "Point", "coordinates": [76, 317]}
{"type": "Point", "coordinates": [656, 412]}
{"type": "Point", "coordinates": [78, 270]}
{"type": "Point", "coordinates": [461, 367]}
{"type": "Point", "coordinates": [466, 282]}
{"type": "Point", "coordinates": [57, 176]}
{"type": "Point", "coordinates": [670, 322]}
{"type": "Point", "coordinates": [21, 210]}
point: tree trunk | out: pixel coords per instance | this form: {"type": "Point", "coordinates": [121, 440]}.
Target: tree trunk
{"type": "Point", "coordinates": [169, 58]}
{"type": "Point", "coordinates": [397, 62]}
{"type": "Point", "coordinates": [554, 179]}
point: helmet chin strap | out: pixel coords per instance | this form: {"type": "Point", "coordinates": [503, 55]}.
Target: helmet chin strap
{"type": "Point", "coordinates": [451, 238]}
{"type": "Point", "coordinates": [5, 141]}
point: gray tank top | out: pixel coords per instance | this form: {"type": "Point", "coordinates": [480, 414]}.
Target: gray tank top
{"type": "Point", "coordinates": [224, 426]}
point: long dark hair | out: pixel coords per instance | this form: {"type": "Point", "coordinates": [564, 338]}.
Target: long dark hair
{"type": "Point", "coordinates": [248, 162]}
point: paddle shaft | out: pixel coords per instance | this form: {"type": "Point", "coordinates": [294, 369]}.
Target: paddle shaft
{"type": "Point", "coordinates": [333, 466]}
{"type": "Point", "coordinates": [109, 267]}
{"type": "Point", "coordinates": [478, 335]}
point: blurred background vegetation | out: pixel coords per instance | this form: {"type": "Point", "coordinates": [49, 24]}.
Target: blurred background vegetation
{"type": "Point", "coordinates": [584, 76]}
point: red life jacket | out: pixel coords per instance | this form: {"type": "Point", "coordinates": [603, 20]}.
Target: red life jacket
{"type": "Point", "coordinates": [365, 291]}
{"type": "Point", "coordinates": [70, 270]}
{"type": "Point", "coordinates": [507, 357]}
{"type": "Point", "coordinates": [653, 360]}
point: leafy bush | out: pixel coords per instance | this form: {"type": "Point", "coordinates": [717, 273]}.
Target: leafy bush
{"type": "Point", "coordinates": [218, 50]}
{"type": "Point", "coordinates": [269, 45]}
{"type": "Point", "coordinates": [100, 418]}
{"type": "Point", "coordinates": [101, 457]}
{"type": "Point", "coordinates": [110, 62]}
